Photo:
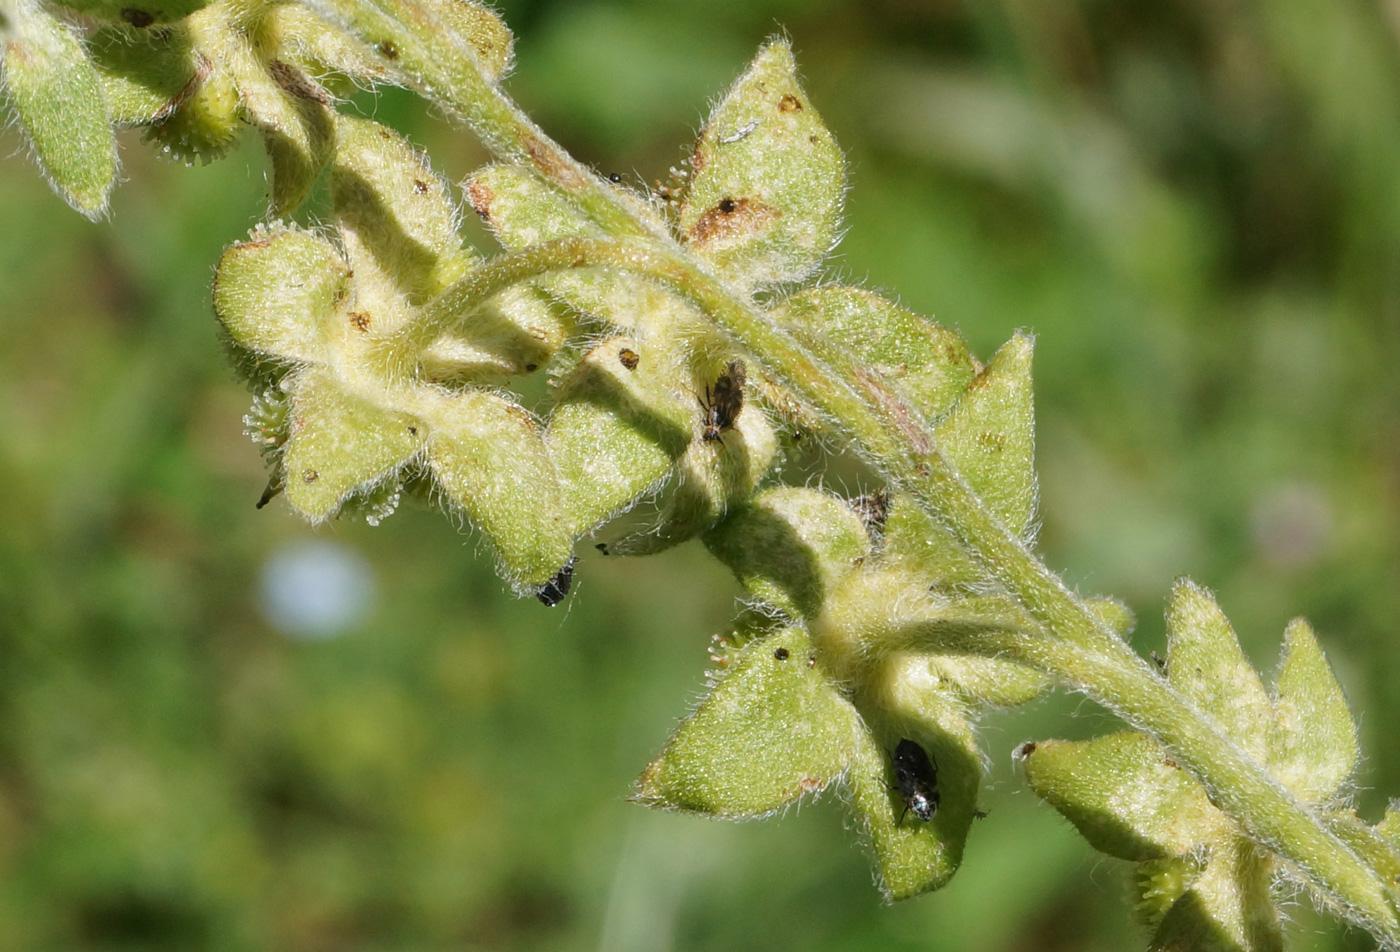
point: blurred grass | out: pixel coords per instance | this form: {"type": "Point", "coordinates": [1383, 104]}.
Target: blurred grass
{"type": "Point", "coordinates": [1197, 208]}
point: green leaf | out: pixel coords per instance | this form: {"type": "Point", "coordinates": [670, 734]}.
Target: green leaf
{"type": "Point", "coordinates": [487, 455]}
{"type": "Point", "coordinates": [617, 429]}
{"type": "Point", "coordinates": [770, 732]}
{"type": "Point", "coordinates": [278, 293]}
{"type": "Point", "coordinates": [340, 443]}
{"type": "Point", "coordinates": [1313, 748]}
{"type": "Point", "coordinates": [767, 179]}
{"type": "Point", "coordinates": [788, 545]}
{"type": "Point", "coordinates": [60, 104]}
{"type": "Point", "coordinates": [1205, 662]}
{"type": "Point", "coordinates": [1122, 793]}
{"type": "Point", "coordinates": [990, 436]}
{"type": "Point", "coordinates": [926, 363]}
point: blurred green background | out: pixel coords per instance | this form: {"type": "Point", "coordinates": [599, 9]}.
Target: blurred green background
{"type": "Point", "coordinates": [1195, 204]}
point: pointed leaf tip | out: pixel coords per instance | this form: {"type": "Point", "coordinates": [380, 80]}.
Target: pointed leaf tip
{"type": "Point", "coordinates": [1313, 748]}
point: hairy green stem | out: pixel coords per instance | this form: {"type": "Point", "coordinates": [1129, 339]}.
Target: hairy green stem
{"type": "Point", "coordinates": [1082, 653]}
{"type": "Point", "coordinates": [1076, 648]}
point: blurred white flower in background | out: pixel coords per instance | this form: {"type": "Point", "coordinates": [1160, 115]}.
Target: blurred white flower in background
{"type": "Point", "coordinates": [316, 589]}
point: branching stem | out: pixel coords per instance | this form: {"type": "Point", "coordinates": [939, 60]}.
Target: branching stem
{"type": "Point", "coordinates": [1076, 649]}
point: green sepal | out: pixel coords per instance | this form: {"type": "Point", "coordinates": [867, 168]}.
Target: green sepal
{"type": "Point", "coordinates": [1122, 793]}
{"type": "Point", "coordinates": [771, 731]}
{"type": "Point", "coordinates": [522, 210]}
{"type": "Point", "coordinates": [136, 13]}
{"type": "Point", "coordinates": [144, 78]}
{"type": "Point", "coordinates": [1313, 747]}
{"type": "Point", "coordinates": [928, 364]}
{"type": "Point", "coordinates": [340, 443]}
{"type": "Point", "coordinates": [276, 293]}
{"type": "Point", "coordinates": [487, 455]}
{"type": "Point", "coordinates": [710, 478]}
{"type": "Point", "coordinates": [913, 856]}
{"type": "Point", "coordinates": [397, 221]}
{"type": "Point", "coordinates": [913, 540]}
{"type": "Point", "coordinates": [764, 199]}
{"type": "Point", "coordinates": [990, 436]}
{"type": "Point", "coordinates": [789, 545]}
{"type": "Point", "coordinates": [1205, 663]}
{"type": "Point", "coordinates": [617, 429]}
{"type": "Point", "coordinates": [1229, 907]}
{"type": "Point", "coordinates": [59, 101]}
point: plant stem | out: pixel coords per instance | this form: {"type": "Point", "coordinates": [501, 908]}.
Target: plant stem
{"type": "Point", "coordinates": [1073, 646]}
{"type": "Point", "coordinates": [1079, 651]}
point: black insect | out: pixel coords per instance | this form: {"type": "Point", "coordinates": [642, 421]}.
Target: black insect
{"type": "Point", "coordinates": [554, 591]}
{"type": "Point", "coordinates": [916, 779]}
{"type": "Point", "coordinates": [723, 401]}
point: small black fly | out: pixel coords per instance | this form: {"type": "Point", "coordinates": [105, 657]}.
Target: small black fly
{"type": "Point", "coordinates": [723, 402]}
{"type": "Point", "coordinates": [916, 779]}
{"type": "Point", "coordinates": [554, 591]}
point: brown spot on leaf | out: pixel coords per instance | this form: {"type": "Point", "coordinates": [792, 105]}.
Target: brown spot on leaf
{"type": "Point", "coordinates": [420, 187]}
{"type": "Point", "coordinates": [732, 218]}
{"type": "Point", "coordinates": [360, 320]}
{"type": "Point", "coordinates": [628, 358]}
{"type": "Point", "coordinates": [1026, 749]}
{"type": "Point", "coordinates": [481, 197]}
{"type": "Point", "coordinates": [388, 50]}
{"type": "Point", "coordinates": [789, 103]}
{"type": "Point", "coordinates": [310, 476]}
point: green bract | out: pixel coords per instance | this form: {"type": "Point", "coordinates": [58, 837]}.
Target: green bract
{"type": "Point", "coordinates": [60, 104]}
{"type": "Point", "coordinates": [1204, 884]}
